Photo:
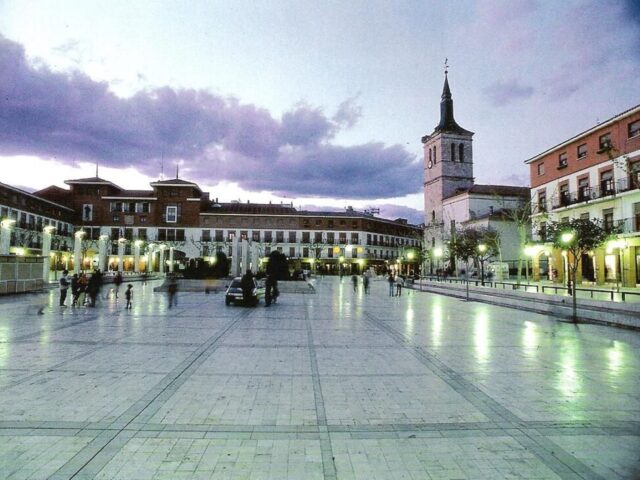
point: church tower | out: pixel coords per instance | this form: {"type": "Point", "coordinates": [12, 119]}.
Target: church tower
{"type": "Point", "coordinates": [448, 168]}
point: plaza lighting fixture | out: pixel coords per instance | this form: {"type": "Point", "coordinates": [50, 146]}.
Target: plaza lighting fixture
{"type": "Point", "coordinates": [7, 222]}
{"type": "Point", "coordinates": [411, 255]}
{"type": "Point", "coordinates": [20, 252]}
{"type": "Point", "coordinates": [79, 233]}
{"type": "Point", "coordinates": [482, 248]}
{"type": "Point", "coordinates": [49, 229]}
{"type": "Point", "coordinates": [567, 237]}
{"type": "Point", "coordinates": [139, 243]}
{"type": "Point", "coordinates": [437, 252]}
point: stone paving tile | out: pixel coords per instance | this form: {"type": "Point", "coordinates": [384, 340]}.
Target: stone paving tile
{"type": "Point", "coordinates": [379, 400]}
{"type": "Point", "coordinates": [437, 458]}
{"type": "Point", "coordinates": [159, 458]}
{"type": "Point", "coordinates": [36, 456]}
{"type": "Point", "coordinates": [267, 337]}
{"type": "Point", "coordinates": [74, 396]}
{"type": "Point", "coordinates": [241, 400]}
{"type": "Point", "coordinates": [610, 457]}
{"type": "Point", "coordinates": [352, 361]}
{"type": "Point", "coordinates": [263, 360]}
{"type": "Point", "coordinates": [131, 359]}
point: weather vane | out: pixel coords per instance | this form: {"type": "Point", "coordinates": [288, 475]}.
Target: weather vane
{"type": "Point", "coordinates": [446, 65]}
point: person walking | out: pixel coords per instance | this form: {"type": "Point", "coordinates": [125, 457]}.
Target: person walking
{"type": "Point", "coordinates": [75, 289]}
{"type": "Point", "coordinates": [172, 289]}
{"type": "Point", "coordinates": [399, 282]}
{"type": "Point", "coordinates": [117, 281]}
{"type": "Point", "coordinates": [271, 289]}
{"type": "Point", "coordinates": [64, 286]}
{"type": "Point", "coordinates": [365, 283]}
{"type": "Point", "coordinates": [83, 283]}
{"type": "Point", "coordinates": [354, 281]}
{"type": "Point", "coordinates": [247, 285]}
{"type": "Point", "coordinates": [391, 281]}
{"type": "Point", "coordinates": [128, 294]}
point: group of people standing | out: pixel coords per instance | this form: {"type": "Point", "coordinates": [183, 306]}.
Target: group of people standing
{"type": "Point", "coordinates": [85, 290]}
{"type": "Point", "coordinates": [365, 282]}
{"type": "Point", "coordinates": [395, 284]}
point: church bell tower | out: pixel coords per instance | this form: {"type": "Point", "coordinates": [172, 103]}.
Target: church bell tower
{"type": "Point", "coordinates": [448, 168]}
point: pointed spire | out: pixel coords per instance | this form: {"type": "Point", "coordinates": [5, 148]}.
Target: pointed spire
{"type": "Point", "coordinates": [97, 176]}
{"type": "Point", "coordinates": [447, 122]}
{"type": "Point", "coordinates": [177, 170]}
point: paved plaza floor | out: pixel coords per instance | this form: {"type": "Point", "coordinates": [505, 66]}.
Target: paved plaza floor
{"type": "Point", "coordinates": [334, 385]}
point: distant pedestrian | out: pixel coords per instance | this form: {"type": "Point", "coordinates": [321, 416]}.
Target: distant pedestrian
{"type": "Point", "coordinates": [354, 281]}
{"type": "Point", "coordinates": [93, 287]}
{"type": "Point", "coordinates": [172, 289]}
{"type": "Point", "coordinates": [83, 283]}
{"type": "Point", "coordinates": [365, 282]}
{"type": "Point", "coordinates": [399, 282]}
{"type": "Point", "coordinates": [391, 281]}
{"type": "Point", "coordinates": [128, 294]}
{"type": "Point", "coordinates": [64, 286]}
{"type": "Point", "coordinates": [75, 289]}
{"type": "Point", "coordinates": [117, 281]}
{"type": "Point", "coordinates": [271, 290]}
{"type": "Point", "coordinates": [247, 284]}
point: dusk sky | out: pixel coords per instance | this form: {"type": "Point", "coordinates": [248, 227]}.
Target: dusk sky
{"type": "Point", "coordinates": [319, 103]}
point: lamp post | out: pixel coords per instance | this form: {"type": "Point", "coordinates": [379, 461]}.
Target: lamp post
{"type": "Point", "coordinates": [567, 238]}
{"type": "Point", "coordinates": [482, 248]}
{"type": "Point", "coordinates": [437, 252]}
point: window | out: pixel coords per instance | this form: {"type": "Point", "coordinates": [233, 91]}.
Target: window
{"type": "Point", "coordinates": [540, 169]}
{"type": "Point", "coordinates": [435, 158]}
{"type": "Point", "coordinates": [584, 216]}
{"type": "Point", "coordinates": [582, 151]}
{"type": "Point", "coordinates": [342, 237]}
{"type": "Point", "coordinates": [461, 153]}
{"type": "Point", "coordinates": [606, 182]}
{"type": "Point", "coordinates": [142, 233]}
{"type": "Point", "coordinates": [564, 194]}
{"type": "Point", "coordinates": [604, 143]}
{"type": "Point", "coordinates": [562, 160]}
{"type": "Point", "coordinates": [219, 235]}
{"type": "Point", "coordinates": [180, 235]}
{"type": "Point", "coordinates": [305, 251]}
{"type": "Point", "coordinates": [306, 237]}
{"type": "Point", "coordinates": [453, 152]}
{"type": "Point", "coordinates": [255, 235]}
{"type": "Point", "coordinates": [279, 236]}
{"type": "Point", "coordinates": [317, 237]}
{"type": "Point", "coordinates": [607, 219]}
{"type": "Point", "coordinates": [292, 237]}
{"type": "Point", "coordinates": [116, 218]}
{"type": "Point", "coordinates": [636, 216]}
{"type": "Point", "coordinates": [268, 236]}
{"type": "Point", "coordinates": [172, 214]}
{"type": "Point", "coordinates": [292, 251]}
{"type": "Point", "coordinates": [354, 239]}
{"type": "Point", "coordinates": [206, 235]}
{"type": "Point", "coordinates": [330, 223]}
{"type": "Point", "coordinates": [634, 175]}
{"type": "Point", "coordinates": [583, 189]}
{"type": "Point", "coordinates": [331, 238]}
{"type": "Point", "coordinates": [634, 129]}
{"type": "Point", "coordinates": [430, 159]}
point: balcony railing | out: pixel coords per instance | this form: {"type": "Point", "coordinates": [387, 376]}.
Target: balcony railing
{"type": "Point", "coordinates": [585, 194]}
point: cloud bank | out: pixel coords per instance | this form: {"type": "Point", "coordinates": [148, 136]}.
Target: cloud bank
{"type": "Point", "coordinates": [71, 117]}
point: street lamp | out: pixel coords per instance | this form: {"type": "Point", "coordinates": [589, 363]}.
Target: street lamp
{"type": "Point", "coordinates": [567, 238]}
{"type": "Point", "coordinates": [482, 248]}
{"type": "Point", "coordinates": [437, 252]}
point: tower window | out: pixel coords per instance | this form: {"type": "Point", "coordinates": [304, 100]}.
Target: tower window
{"type": "Point", "coordinates": [435, 156]}
{"type": "Point", "coordinates": [461, 152]}
{"type": "Point", "coordinates": [433, 216]}
{"type": "Point", "coordinates": [453, 152]}
{"type": "Point", "coordinates": [429, 154]}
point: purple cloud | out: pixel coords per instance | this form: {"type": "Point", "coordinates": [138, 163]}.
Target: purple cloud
{"type": "Point", "coordinates": [503, 93]}
{"type": "Point", "coordinates": [73, 118]}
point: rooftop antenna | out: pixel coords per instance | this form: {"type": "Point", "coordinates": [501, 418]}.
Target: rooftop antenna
{"type": "Point", "coordinates": [96, 168]}
{"type": "Point", "coordinates": [446, 66]}
{"type": "Point", "coordinates": [177, 170]}
{"type": "Point", "coordinates": [162, 165]}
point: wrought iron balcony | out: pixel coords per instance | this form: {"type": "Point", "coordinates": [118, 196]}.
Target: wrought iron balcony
{"type": "Point", "coordinates": [585, 194]}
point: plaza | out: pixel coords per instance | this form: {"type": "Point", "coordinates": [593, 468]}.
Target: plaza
{"type": "Point", "coordinates": [335, 385]}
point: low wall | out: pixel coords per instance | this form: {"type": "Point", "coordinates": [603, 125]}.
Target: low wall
{"type": "Point", "coordinates": [594, 311]}
{"type": "Point", "coordinates": [20, 274]}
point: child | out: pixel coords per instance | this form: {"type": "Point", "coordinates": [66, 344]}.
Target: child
{"type": "Point", "coordinates": [129, 296]}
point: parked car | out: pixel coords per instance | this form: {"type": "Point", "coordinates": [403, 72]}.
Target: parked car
{"type": "Point", "coordinates": [234, 294]}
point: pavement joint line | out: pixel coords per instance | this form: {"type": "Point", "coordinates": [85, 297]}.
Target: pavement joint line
{"type": "Point", "coordinates": [93, 457]}
{"type": "Point", "coordinates": [326, 449]}
{"type": "Point", "coordinates": [553, 456]}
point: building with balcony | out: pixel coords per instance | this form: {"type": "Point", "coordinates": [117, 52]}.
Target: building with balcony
{"type": "Point", "coordinates": [95, 223]}
{"type": "Point", "coordinates": [593, 175]}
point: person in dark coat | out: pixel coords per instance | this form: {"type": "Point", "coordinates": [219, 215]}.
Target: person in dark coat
{"type": "Point", "coordinates": [64, 286]}
{"type": "Point", "coordinates": [271, 293]}
{"type": "Point", "coordinates": [172, 289]}
{"type": "Point", "coordinates": [75, 290]}
{"type": "Point", "coordinates": [117, 281]}
{"type": "Point", "coordinates": [247, 285]}
{"type": "Point", "coordinates": [391, 281]}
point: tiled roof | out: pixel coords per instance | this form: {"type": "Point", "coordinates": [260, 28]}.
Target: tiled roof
{"type": "Point", "coordinates": [499, 190]}
{"type": "Point", "coordinates": [133, 193]}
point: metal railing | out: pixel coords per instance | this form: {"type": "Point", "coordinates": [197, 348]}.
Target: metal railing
{"type": "Point", "coordinates": [612, 294]}
{"type": "Point", "coordinates": [584, 194]}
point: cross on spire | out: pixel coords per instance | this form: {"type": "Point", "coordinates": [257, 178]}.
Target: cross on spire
{"type": "Point", "coordinates": [446, 66]}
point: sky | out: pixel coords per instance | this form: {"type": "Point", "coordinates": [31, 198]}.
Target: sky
{"type": "Point", "coordinates": [322, 104]}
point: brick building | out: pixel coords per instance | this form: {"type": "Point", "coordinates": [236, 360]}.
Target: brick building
{"type": "Point", "coordinates": [163, 228]}
{"type": "Point", "coordinates": [593, 175]}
